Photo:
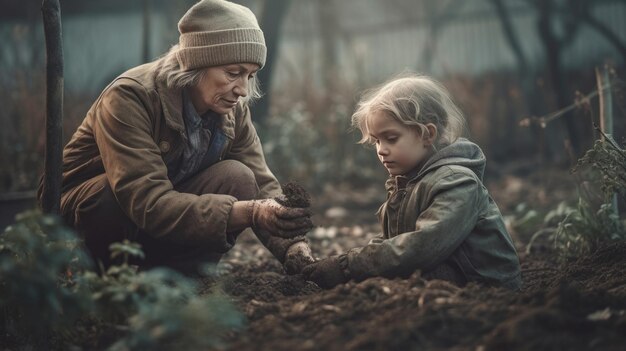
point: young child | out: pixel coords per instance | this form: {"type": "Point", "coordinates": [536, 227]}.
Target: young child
{"type": "Point", "coordinates": [438, 217]}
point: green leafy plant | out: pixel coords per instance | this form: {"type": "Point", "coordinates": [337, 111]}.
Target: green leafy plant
{"type": "Point", "coordinates": [580, 230]}
{"type": "Point", "coordinates": [583, 229]}
{"type": "Point", "coordinates": [157, 309]}
{"type": "Point", "coordinates": [196, 323]}
{"type": "Point", "coordinates": [38, 260]}
{"type": "Point", "coordinates": [50, 298]}
{"type": "Point", "coordinates": [524, 220]}
{"type": "Point", "coordinates": [549, 224]}
{"type": "Point", "coordinates": [609, 159]}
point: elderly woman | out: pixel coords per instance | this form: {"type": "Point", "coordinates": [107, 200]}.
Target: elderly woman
{"type": "Point", "coordinates": [168, 156]}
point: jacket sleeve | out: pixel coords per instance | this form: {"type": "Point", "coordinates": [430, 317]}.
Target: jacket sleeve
{"type": "Point", "coordinates": [137, 174]}
{"type": "Point", "coordinates": [247, 149]}
{"type": "Point", "coordinates": [454, 202]}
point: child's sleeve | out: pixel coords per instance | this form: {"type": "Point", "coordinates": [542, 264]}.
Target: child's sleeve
{"type": "Point", "coordinates": [454, 203]}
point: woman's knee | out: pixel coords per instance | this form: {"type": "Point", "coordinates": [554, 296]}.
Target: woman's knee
{"type": "Point", "coordinates": [243, 180]}
{"type": "Point", "coordinates": [228, 177]}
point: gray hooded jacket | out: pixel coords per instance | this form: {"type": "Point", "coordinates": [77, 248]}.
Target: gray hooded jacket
{"type": "Point", "coordinates": [441, 212]}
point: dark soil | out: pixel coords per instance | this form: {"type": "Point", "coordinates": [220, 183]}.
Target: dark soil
{"type": "Point", "coordinates": [579, 305]}
{"type": "Point", "coordinates": [576, 306]}
{"type": "Point", "coordinates": [294, 195]}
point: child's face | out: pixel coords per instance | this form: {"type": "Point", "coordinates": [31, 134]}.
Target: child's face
{"type": "Point", "coordinates": [399, 147]}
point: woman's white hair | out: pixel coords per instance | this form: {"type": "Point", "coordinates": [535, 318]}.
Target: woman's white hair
{"type": "Point", "coordinates": [175, 77]}
{"type": "Point", "coordinates": [413, 100]}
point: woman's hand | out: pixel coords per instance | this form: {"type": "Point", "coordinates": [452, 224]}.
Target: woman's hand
{"type": "Point", "coordinates": [279, 220]}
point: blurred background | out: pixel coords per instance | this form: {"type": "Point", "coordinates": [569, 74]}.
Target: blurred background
{"type": "Point", "coordinates": [511, 65]}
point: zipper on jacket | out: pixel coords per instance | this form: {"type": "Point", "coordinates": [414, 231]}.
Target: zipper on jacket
{"type": "Point", "coordinates": [402, 194]}
{"type": "Point", "coordinates": [397, 196]}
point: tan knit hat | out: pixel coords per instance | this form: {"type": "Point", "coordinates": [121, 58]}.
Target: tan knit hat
{"type": "Point", "coordinates": [219, 32]}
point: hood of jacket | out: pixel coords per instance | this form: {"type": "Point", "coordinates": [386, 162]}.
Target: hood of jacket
{"type": "Point", "coordinates": [460, 153]}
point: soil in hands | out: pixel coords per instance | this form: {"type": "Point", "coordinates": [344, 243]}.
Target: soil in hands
{"type": "Point", "coordinates": [294, 195]}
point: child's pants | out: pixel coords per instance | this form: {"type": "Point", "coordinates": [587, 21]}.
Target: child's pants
{"type": "Point", "coordinates": [446, 271]}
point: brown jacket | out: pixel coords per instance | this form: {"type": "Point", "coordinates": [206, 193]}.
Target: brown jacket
{"type": "Point", "coordinates": [135, 133]}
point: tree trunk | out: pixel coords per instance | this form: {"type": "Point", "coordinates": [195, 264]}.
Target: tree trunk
{"type": "Point", "coordinates": [526, 76]}
{"type": "Point", "coordinates": [51, 198]}
{"type": "Point", "coordinates": [272, 19]}
{"type": "Point", "coordinates": [329, 33]}
{"type": "Point", "coordinates": [511, 35]}
{"type": "Point", "coordinates": [145, 39]}
{"type": "Point", "coordinates": [553, 48]}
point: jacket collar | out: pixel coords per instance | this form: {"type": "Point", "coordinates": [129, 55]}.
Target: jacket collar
{"type": "Point", "coordinates": [462, 153]}
{"type": "Point", "coordinates": [400, 182]}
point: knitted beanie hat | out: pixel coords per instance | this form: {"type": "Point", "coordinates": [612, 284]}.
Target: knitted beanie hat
{"type": "Point", "coordinates": [219, 32]}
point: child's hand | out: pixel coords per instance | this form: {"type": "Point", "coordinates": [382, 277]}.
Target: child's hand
{"type": "Point", "coordinates": [297, 257]}
{"type": "Point", "coordinates": [326, 273]}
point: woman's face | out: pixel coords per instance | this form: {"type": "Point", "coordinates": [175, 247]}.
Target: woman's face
{"type": "Point", "coordinates": [222, 86]}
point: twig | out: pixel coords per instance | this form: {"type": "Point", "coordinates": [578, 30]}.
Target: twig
{"type": "Point", "coordinates": [544, 120]}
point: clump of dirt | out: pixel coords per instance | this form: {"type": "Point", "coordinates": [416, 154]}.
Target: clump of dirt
{"type": "Point", "coordinates": [294, 195]}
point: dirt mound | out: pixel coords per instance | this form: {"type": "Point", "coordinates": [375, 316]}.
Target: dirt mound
{"type": "Point", "coordinates": [580, 306]}
{"type": "Point", "coordinates": [575, 306]}
{"type": "Point", "coordinates": [271, 285]}
{"type": "Point", "coordinates": [603, 270]}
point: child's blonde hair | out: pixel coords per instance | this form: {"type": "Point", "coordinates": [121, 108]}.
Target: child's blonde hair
{"type": "Point", "coordinates": [413, 100]}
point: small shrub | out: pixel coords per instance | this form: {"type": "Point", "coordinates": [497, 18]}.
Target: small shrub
{"type": "Point", "coordinates": [583, 229]}
{"type": "Point", "coordinates": [159, 308]}
{"type": "Point", "coordinates": [524, 220]}
{"type": "Point", "coordinates": [38, 260]}
{"type": "Point", "coordinates": [578, 231]}
{"type": "Point", "coordinates": [196, 323]}
{"type": "Point", "coordinates": [50, 299]}
{"type": "Point", "coordinates": [609, 160]}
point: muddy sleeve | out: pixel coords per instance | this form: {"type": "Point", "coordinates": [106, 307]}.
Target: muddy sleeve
{"type": "Point", "coordinates": [137, 174]}
{"type": "Point", "coordinates": [454, 202]}
{"type": "Point", "coordinates": [379, 238]}
{"type": "Point", "coordinates": [248, 150]}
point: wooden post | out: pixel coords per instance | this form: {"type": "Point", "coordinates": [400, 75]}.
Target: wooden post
{"type": "Point", "coordinates": [51, 197]}
{"type": "Point", "coordinates": [606, 111]}
{"type": "Point", "coordinates": [145, 52]}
